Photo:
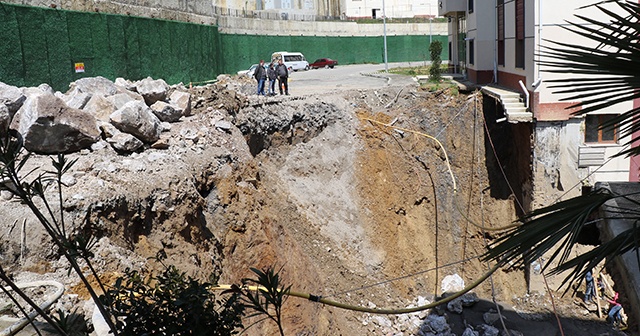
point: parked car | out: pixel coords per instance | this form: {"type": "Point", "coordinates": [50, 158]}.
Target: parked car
{"type": "Point", "coordinates": [293, 60]}
{"type": "Point", "coordinates": [249, 73]}
{"type": "Point", "coordinates": [323, 63]}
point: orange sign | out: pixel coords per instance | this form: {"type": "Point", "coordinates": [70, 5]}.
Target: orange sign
{"type": "Point", "coordinates": [79, 67]}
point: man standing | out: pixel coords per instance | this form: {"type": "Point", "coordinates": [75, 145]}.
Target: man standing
{"type": "Point", "coordinates": [261, 76]}
{"type": "Point", "coordinates": [283, 76]}
{"type": "Point", "coordinates": [590, 291]}
{"type": "Point", "coordinates": [271, 73]}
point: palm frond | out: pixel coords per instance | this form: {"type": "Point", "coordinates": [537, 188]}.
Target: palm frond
{"type": "Point", "coordinates": [609, 64]}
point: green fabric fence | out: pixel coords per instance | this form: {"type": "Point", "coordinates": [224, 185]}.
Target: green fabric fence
{"type": "Point", "coordinates": [44, 45]}
{"type": "Point", "coordinates": [240, 51]}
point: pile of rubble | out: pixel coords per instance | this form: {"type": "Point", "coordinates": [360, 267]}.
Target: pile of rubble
{"type": "Point", "coordinates": [437, 321]}
{"type": "Point", "coordinates": [127, 114]}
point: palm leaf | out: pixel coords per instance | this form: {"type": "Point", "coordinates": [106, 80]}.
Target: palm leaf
{"type": "Point", "coordinates": [610, 66]}
{"type": "Point", "coordinates": [558, 226]}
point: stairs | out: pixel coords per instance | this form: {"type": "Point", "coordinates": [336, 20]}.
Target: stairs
{"type": "Point", "coordinates": [514, 108]}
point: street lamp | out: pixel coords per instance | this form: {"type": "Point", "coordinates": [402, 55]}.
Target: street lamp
{"type": "Point", "coordinates": [384, 28]}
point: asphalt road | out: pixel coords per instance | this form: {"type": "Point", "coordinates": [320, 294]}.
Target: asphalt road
{"type": "Point", "coordinates": [343, 77]}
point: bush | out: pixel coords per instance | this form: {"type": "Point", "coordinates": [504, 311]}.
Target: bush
{"type": "Point", "coordinates": [435, 49]}
{"type": "Point", "coordinates": [171, 304]}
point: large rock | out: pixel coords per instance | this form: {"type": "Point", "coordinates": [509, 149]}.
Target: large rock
{"type": "Point", "coordinates": [489, 330]}
{"type": "Point", "coordinates": [12, 97]}
{"type": "Point", "coordinates": [76, 99]}
{"type": "Point", "coordinates": [470, 332]}
{"type": "Point", "coordinates": [49, 126]}
{"type": "Point", "coordinates": [137, 118]}
{"type": "Point", "coordinates": [5, 120]}
{"type": "Point", "coordinates": [125, 83]}
{"type": "Point", "coordinates": [100, 107]}
{"type": "Point", "coordinates": [181, 100]}
{"type": "Point", "coordinates": [466, 300]}
{"type": "Point", "coordinates": [152, 90]}
{"type": "Point", "coordinates": [452, 283]}
{"type": "Point", "coordinates": [95, 85]}
{"type": "Point", "coordinates": [124, 142]}
{"type": "Point", "coordinates": [46, 88]}
{"type": "Point", "coordinates": [166, 112]}
{"type": "Point", "coordinates": [120, 99]}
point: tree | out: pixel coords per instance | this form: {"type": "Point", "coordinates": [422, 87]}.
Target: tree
{"type": "Point", "coordinates": [610, 76]}
{"type": "Point", "coordinates": [435, 49]}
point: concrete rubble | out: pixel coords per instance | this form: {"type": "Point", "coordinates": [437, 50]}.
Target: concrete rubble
{"type": "Point", "coordinates": [49, 126]}
{"type": "Point", "coordinates": [137, 119]}
{"type": "Point", "coordinates": [93, 108]}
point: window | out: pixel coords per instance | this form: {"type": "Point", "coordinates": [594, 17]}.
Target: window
{"type": "Point", "coordinates": [500, 32]}
{"type": "Point", "coordinates": [471, 51]}
{"type": "Point", "coordinates": [593, 133]}
{"type": "Point", "coordinates": [520, 34]}
{"type": "Point", "coordinates": [470, 6]}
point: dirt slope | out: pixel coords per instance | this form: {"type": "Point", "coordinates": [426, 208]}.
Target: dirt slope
{"type": "Point", "coordinates": [307, 184]}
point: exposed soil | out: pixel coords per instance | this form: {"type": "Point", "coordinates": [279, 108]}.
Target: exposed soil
{"type": "Point", "coordinates": [314, 186]}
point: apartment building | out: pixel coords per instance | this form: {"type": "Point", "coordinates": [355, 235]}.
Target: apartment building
{"type": "Point", "coordinates": [392, 8]}
{"type": "Point", "coordinates": [497, 44]}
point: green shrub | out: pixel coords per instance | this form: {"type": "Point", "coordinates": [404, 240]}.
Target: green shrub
{"type": "Point", "coordinates": [171, 304]}
{"type": "Point", "coordinates": [435, 49]}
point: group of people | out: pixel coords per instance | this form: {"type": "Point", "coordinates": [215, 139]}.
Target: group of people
{"type": "Point", "coordinates": [615, 313]}
{"type": "Point", "coordinates": [279, 72]}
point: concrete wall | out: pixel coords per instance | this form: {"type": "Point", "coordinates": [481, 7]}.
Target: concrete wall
{"type": "Point", "coordinates": [236, 25]}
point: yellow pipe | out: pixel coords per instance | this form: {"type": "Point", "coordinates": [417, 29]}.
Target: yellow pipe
{"type": "Point", "coordinates": [327, 302]}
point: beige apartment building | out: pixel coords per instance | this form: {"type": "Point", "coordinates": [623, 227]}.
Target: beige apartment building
{"type": "Point", "coordinates": [497, 43]}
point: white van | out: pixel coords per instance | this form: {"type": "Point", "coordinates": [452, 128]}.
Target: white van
{"type": "Point", "coordinates": [293, 60]}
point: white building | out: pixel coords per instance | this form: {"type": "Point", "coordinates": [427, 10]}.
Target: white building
{"type": "Point", "coordinates": [496, 42]}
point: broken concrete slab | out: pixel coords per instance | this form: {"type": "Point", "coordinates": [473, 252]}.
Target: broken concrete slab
{"type": "Point", "coordinates": [49, 126]}
{"type": "Point", "coordinates": [182, 100]}
{"type": "Point", "coordinates": [152, 90]}
{"type": "Point", "coordinates": [166, 112]}
{"type": "Point", "coordinates": [137, 118]}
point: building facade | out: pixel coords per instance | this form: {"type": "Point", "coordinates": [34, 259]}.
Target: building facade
{"type": "Point", "coordinates": [498, 44]}
{"type": "Point", "coordinates": [393, 8]}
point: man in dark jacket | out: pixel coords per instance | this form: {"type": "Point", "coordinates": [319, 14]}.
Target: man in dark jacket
{"type": "Point", "coordinates": [271, 73]}
{"type": "Point", "coordinates": [283, 76]}
{"type": "Point", "coordinates": [261, 76]}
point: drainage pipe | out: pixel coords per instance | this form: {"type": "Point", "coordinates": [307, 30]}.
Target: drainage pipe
{"type": "Point", "coordinates": [21, 323]}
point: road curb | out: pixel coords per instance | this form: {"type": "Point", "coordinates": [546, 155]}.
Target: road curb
{"type": "Point", "coordinates": [377, 75]}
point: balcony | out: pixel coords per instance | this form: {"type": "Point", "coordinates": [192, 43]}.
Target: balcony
{"type": "Point", "coordinates": [448, 7]}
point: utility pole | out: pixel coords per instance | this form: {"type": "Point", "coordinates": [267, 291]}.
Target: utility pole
{"type": "Point", "coordinates": [384, 28]}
